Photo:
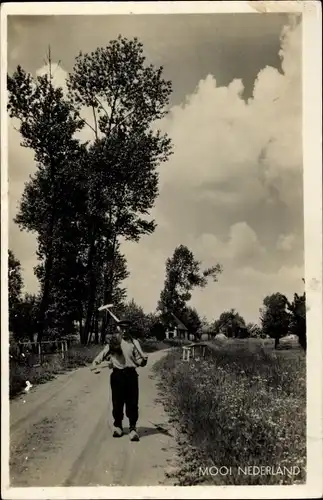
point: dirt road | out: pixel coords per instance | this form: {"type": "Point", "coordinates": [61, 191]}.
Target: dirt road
{"type": "Point", "coordinates": [61, 434]}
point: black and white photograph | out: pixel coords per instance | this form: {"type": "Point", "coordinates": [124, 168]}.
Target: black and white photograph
{"type": "Point", "coordinates": [162, 238]}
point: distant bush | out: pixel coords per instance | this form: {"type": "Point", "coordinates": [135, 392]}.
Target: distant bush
{"type": "Point", "coordinates": [153, 345]}
{"type": "Point", "coordinates": [177, 342]}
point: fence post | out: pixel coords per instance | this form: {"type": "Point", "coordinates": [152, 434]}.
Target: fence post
{"type": "Point", "coordinates": [39, 354]}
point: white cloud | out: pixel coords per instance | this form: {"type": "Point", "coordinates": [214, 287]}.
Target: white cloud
{"type": "Point", "coordinates": [218, 136]}
{"type": "Point", "coordinates": [244, 242]}
{"type": "Point", "coordinates": [59, 77]}
{"type": "Point", "coordinates": [57, 72]}
{"type": "Point", "coordinates": [242, 245]}
{"type": "Point", "coordinates": [244, 289]}
{"type": "Point", "coordinates": [285, 242]}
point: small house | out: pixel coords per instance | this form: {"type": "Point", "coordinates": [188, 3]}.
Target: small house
{"type": "Point", "coordinates": [181, 331]}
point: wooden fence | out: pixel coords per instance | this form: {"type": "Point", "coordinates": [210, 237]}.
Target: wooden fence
{"type": "Point", "coordinates": [195, 351]}
{"type": "Point", "coordinates": [38, 351]}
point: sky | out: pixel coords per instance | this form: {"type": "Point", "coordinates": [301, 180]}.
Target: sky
{"type": "Point", "coordinates": [232, 191]}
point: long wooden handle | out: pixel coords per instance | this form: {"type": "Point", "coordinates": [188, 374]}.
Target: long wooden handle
{"type": "Point", "coordinates": [142, 357]}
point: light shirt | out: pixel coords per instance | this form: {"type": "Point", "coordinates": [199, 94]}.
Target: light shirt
{"type": "Point", "coordinates": [131, 356]}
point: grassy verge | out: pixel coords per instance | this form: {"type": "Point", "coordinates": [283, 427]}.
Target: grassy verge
{"type": "Point", "coordinates": [53, 365]}
{"type": "Point", "coordinates": [237, 408]}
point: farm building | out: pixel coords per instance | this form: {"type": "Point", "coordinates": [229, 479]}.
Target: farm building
{"type": "Point", "coordinates": [179, 330]}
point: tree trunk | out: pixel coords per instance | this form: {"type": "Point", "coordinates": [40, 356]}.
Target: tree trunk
{"type": "Point", "coordinates": [106, 300]}
{"type": "Point", "coordinates": [89, 339]}
{"type": "Point", "coordinates": [96, 337]}
{"type": "Point", "coordinates": [103, 325]}
{"type": "Point", "coordinates": [103, 335]}
{"type": "Point", "coordinates": [276, 342]}
{"type": "Point", "coordinates": [96, 328]}
{"type": "Point", "coordinates": [108, 329]}
{"type": "Point", "coordinates": [90, 311]}
{"type": "Point", "coordinates": [92, 292]}
{"type": "Point", "coordinates": [104, 329]}
{"type": "Point", "coordinates": [49, 258]}
{"type": "Point", "coordinates": [46, 292]}
{"type": "Point", "coordinates": [80, 329]}
{"type": "Point", "coordinates": [302, 341]}
{"type": "Point", "coordinates": [108, 285]}
{"type": "Point", "coordinates": [108, 278]}
{"type": "Point", "coordinates": [80, 322]}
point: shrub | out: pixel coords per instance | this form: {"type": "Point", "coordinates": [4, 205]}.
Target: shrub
{"type": "Point", "coordinates": [153, 345]}
{"type": "Point", "coordinates": [177, 342]}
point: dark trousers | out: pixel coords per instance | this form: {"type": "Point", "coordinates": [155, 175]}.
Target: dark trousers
{"type": "Point", "coordinates": [125, 392]}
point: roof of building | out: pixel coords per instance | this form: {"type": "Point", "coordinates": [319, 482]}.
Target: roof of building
{"type": "Point", "coordinates": [179, 323]}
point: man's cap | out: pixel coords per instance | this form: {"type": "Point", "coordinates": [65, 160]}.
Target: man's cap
{"type": "Point", "coordinates": [124, 322]}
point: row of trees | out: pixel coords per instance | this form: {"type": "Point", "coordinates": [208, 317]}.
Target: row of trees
{"type": "Point", "coordinates": [86, 197]}
{"type": "Point", "coordinates": [183, 274]}
{"type": "Point", "coordinates": [278, 316]}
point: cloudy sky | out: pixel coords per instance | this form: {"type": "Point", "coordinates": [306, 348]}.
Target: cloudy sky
{"type": "Point", "coordinates": [232, 190]}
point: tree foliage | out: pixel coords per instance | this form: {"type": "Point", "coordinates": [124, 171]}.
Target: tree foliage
{"type": "Point", "coordinates": [254, 330]}
{"type": "Point", "coordinates": [157, 328]}
{"type": "Point", "coordinates": [28, 318]}
{"type": "Point", "coordinates": [191, 319]}
{"type": "Point", "coordinates": [297, 325]}
{"type": "Point", "coordinates": [86, 197]}
{"type": "Point", "coordinates": [139, 320]}
{"type": "Point", "coordinates": [47, 126]}
{"type": "Point", "coordinates": [231, 324]}
{"type": "Point", "coordinates": [15, 285]}
{"type": "Point", "coordinates": [275, 317]}
{"type": "Point", "coordinates": [183, 274]}
{"type": "Point", "coordinates": [126, 97]}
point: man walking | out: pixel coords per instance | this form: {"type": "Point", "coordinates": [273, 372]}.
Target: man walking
{"type": "Point", "coordinates": [124, 355]}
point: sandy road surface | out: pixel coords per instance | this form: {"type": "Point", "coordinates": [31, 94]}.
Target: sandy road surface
{"type": "Point", "coordinates": [61, 434]}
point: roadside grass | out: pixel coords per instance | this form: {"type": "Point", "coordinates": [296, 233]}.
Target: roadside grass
{"type": "Point", "coordinates": [52, 365]}
{"type": "Point", "coordinates": [238, 407]}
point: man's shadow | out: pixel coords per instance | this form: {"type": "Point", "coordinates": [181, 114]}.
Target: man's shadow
{"type": "Point", "coordinates": [151, 431]}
